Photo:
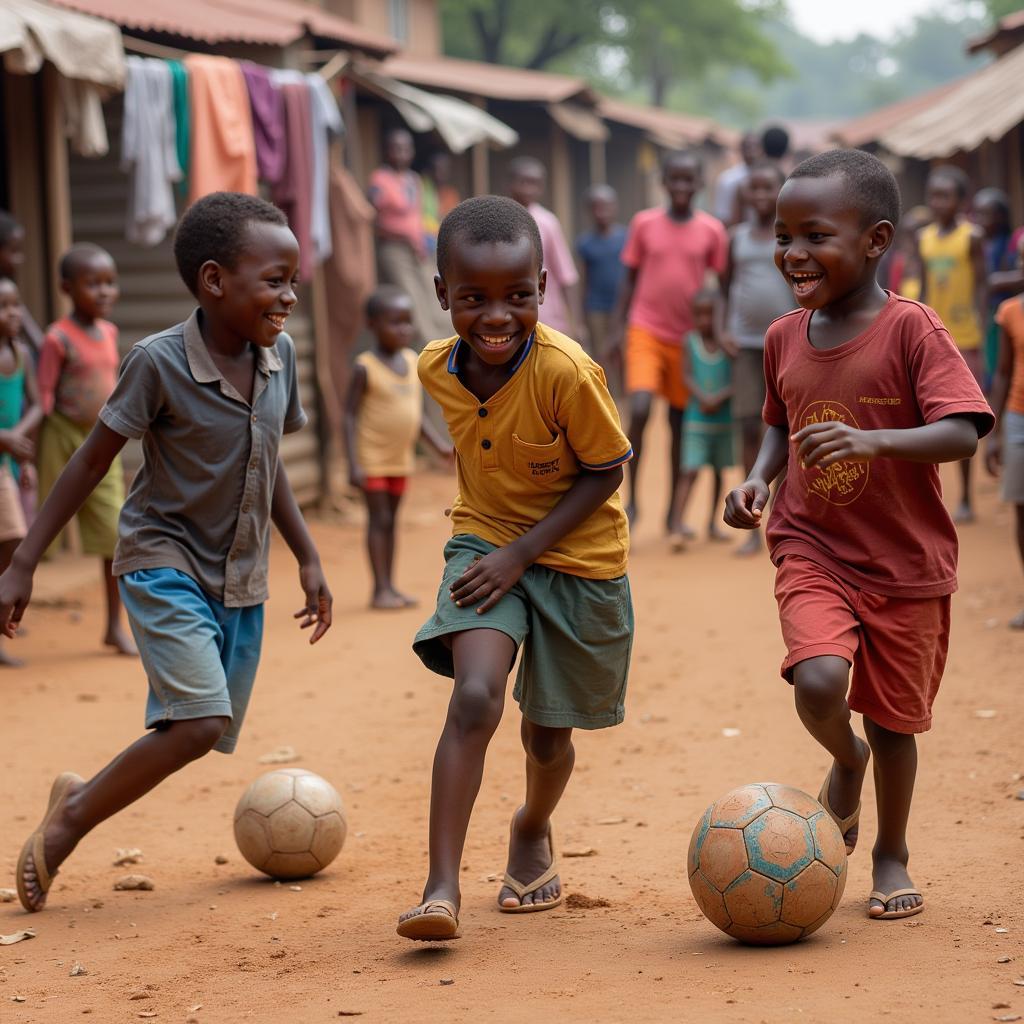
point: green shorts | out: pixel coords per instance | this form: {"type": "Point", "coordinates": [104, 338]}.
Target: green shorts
{"type": "Point", "coordinates": [576, 636]}
{"type": "Point", "coordinates": [708, 447]}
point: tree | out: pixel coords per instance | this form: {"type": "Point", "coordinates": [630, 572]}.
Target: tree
{"type": "Point", "coordinates": [1000, 8]}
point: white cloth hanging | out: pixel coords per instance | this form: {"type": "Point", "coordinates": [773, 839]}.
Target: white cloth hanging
{"type": "Point", "coordinates": [327, 122]}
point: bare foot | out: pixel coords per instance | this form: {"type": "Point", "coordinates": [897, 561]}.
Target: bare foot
{"type": "Point", "coordinates": [121, 642]}
{"type": "Point", "coordinates": [676, 543]}
{"type": "Point", "coordinates": [889, 874]}
{"type": "Point", "coordinates": [964, 514]}
{"type": "Point", "coordinates": [529, 856]}
{"type": "Point", "coordinates": [750, 547]}
{"type": "Point", "coordinates": [408, 600]}
{"type": "Point", "coordinates": [716, 534]}
{"type": "Point", "coordinates": [844, 791]}
{"type": "Point", "coordinates": [9, 661]}
{"type": "Point", "coordinates": [389, 600]}
{"type": "Point", "coordinates": [1017, 622]}
{"type": "Point", "coordinates": [58, 841]}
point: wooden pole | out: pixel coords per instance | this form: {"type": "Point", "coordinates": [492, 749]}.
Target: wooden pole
{"type": "Point", "coordinates": [57, 184]}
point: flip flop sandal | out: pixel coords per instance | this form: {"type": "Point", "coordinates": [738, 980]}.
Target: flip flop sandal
{"type": "Point", "coordinates": [892, 915]}
{"type": "Point", "coordinates": [529, 889]}
{"type": "Point", "coordinates": [433, 921]}
{"type": "Point", "coordinates": [845, 824]}
{"type": "Point", "coordinates": [35, 846]}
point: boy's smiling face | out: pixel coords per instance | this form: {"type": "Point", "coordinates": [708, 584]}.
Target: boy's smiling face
{"type": "Point", "coordinates": [493, 291]}
{"type": "Point", "coordinates": [93, 288]}
{"type": "Point", "coordinates": [254, 297]}
{"type": "Point", "coordinates": [824, 249]}
{"type": "Point", "coordinates": [393, 325]}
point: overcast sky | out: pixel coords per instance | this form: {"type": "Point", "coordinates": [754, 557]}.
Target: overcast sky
{"type": "Point", "coordinates": [826, 20]}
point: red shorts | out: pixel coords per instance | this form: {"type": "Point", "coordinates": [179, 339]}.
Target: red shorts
{"type": "Point", "coordinates": [896, 645]}
{"type": "Point", "coordinates": [393, 485]}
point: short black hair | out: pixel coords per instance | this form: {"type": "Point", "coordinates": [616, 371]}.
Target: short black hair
{"type": "Point", "coordinates": [600, 191]}
{"type": "Point", "coordinates": [215, 228]}
{"type": "Point", "coordinates": [525, 165]}
{"type": "Point", "coordinates": [954, 175]}
{"type": "Point", "coordinates": [9, 226]}
{"type": "Point", "coordinates": [768, 165]}
{"type": "Point", "coordinates": [78, 257]}
{"type": "Point", "coordinates": [994, 197]}
{"type": "Point", "coordinates": [775, 142]}
{"type": "Point", "coordinates": [869, 184]}
{"type": "Point", "coordinates": [677, 156]}
{"type": "Point", "coordinates": [383, 297]}
{"type": "Point", "coordinates": [486, 219]}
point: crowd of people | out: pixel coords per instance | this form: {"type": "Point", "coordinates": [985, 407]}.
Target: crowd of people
{"type": "Point", "coordinates": [787, 326]}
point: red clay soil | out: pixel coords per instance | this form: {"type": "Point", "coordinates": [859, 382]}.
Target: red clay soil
{"type": "Point", "coordinates": [219, 944]}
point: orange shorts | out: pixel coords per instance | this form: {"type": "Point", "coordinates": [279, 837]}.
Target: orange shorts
{"type": "Point", "coordinates": [655, 365]}
{"type": "Point", "coordinates": [897, 646]}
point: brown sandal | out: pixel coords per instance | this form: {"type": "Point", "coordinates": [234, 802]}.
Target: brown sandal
{"type": "Point", "coordinates": [433, 921]}
{"type": "Point", "coordinates": [35, 847]}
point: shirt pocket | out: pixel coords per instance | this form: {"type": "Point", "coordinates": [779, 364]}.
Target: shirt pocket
{"type": "Point", "coordinates": [542, 464]}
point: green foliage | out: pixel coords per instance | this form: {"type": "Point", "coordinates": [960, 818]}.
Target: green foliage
{"type": "Point", "coordinates": [1000, 8]}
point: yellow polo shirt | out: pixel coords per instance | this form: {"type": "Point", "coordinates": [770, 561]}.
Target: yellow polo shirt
{"type": "Point", "coordinates": [520, 451]}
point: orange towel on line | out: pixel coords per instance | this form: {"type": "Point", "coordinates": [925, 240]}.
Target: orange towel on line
{"type": "Point", "coordinates": [223, 145]}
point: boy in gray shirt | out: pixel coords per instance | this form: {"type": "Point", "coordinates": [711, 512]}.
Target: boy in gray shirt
{"type": "Point", "coordinates": [210, 399]}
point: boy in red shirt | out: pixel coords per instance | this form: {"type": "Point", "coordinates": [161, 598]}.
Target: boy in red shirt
{"type": "Point", "coordinates": [668, 254]}
{"type": "Point", "coordinates": [866, 393]}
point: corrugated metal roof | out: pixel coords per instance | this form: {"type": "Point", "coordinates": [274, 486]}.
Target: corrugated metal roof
{"type": "Point", "coordinates": [667, 127]}
{"type": "Point", "coordinates": [982, 107]}
{"type": "Point", "coordinates": [494, 81]}
{"type": "Point", "coordinates": [868, 128]}
{"type": "Point", "coordinates": [269, 22]}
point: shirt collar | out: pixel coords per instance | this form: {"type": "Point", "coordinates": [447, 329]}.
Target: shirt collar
{"type": "Point", "coordinates": [453, 356]}
{"type": "Point", "coordinates": [201, 364]}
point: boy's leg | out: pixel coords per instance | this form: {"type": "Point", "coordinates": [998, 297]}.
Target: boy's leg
{"type": "Point", "coordinates": [674, 519]}
{"type": "Point", "coordinates": [715, 531]}
{"type": "Point", "coordinates": [1018, 621]}
{"type": "Point", "coordinates": [380, 546]}
{"type": "Point", "coordinates": [680, 499]}
{"type": "Point", "coordinates": [394, 501]}
{"type": "Point", "coordinates": [895, 769]}
{"type": "Point", "coordinates": [7, 549]}
{"type": "Point", "coordinates": [129, 776]}
{"type": "Point", "coordinates": [965, 510]}
{"type": "Point", "coordinates": [116, 635]}
{"type": "Point", "coordinates": [639, 413]}
{"type": "Point", "coordinates": [482, 660]}
{"type": "Point", "coordinates": [549, 761]}
{"type": "Point", "coordinates": [819, 687]}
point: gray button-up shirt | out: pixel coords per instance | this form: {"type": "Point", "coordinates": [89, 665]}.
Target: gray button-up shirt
{"type": "Point", "coordinates": [201, 501]}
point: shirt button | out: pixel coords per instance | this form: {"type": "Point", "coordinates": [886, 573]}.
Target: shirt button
{"type": "Point", "coordinates": [481, 413]}
{"type": "Point", "coordinates": [485, 444]}
{"type": "Point", "coordinates": [245, 509]}
{"type": "Point", "coordinates": [253, 419]}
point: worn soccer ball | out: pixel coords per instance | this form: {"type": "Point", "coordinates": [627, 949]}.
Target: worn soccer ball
{"type": "Point", "coordinates": [290, 823]}
{"type": "Point", "coordinates": [767, 865]}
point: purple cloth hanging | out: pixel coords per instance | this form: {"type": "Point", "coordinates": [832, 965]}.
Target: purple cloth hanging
{"type": "Point", "coordinates": [268, 121]}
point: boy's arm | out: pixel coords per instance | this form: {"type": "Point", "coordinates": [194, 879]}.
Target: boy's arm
{"type": "Point", "coordinates": [353, 399]}
{"type": "Point", "coordinates": [495, 574]}
{"type": "Point", "coordinates": [51, 363]}
{"type": "Point", "coordinates": [744, 506]}
{"type": "Point", "coordinates": [86, 468]}
{"type": "Point", "coordinates": [997, 399]}
{"type": "Point", "coordinates": [284, 511]}
{"type": "Point", "coordinates": [980, 278]}
{"type": "Point", "coordinates": [620, 315]}
{"type": "Point", "coordinates": [32, 411]}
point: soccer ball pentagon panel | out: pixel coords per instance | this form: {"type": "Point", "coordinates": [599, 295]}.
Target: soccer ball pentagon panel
{"type": "Point", "coordinates": [290, 823]}
{"type": "Point", "coordinates": [766, 864]}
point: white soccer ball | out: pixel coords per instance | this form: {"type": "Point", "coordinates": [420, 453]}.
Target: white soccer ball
{"type": "Point", "coordinates": [290, 823]}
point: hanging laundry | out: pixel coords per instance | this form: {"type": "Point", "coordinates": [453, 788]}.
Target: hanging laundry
{"type": "Point", "coordinates": [326, 124]}
{"type": "Point", "coordinates": [182, 133]}
{"type": "Point", "coordinates": [267, 106]}
{"type": "Point", "coordinates": [148, 150]}
{"type": "Point", "coordinates": [223, 154]}
{"type": "Point", "coordinates": [293, 193]}
{"type": "Point", "coordinates": [83, 117]}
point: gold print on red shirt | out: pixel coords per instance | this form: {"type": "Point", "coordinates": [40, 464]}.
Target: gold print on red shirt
{"type": "Point", "coordinates": [842, 483]}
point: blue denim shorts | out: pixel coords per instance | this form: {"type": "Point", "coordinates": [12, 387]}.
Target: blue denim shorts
{"type": "Point", "coordinates": [201, 657]}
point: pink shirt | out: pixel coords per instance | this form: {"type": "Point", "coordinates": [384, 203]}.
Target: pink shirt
{"type": "Point", "coordinates": [397, 197]}
{"type": "Point", "coordinates": [671, 259]}
{"type": "Point", "coordinates": [77, 372]}
{"type": "Point", "coordinates": [560, 267]}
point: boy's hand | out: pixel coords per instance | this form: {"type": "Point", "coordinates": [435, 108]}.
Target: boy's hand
{"type": "Point", "coordinates": [488, 579]}
{"type": "Point", "coordinates": [318, 601]}
{"type": "Point", "coordinates": [18, 445]}
{"type": "Point", "coordinates": [822, 444]}
{"type": "Point", "coordinates": [15, 594]}
{"type": "Point", "coordinates": [744, 506]}
{"type": "Point", "coordinates": [730, 346]}
{"type": "Point", "coordinates": [994, 454]}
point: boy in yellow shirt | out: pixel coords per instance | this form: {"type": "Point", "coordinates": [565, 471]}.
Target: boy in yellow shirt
{"type": "Point", "coordinates": [954, 283]}
{"type": "Point", "coordinates": [537, 557]}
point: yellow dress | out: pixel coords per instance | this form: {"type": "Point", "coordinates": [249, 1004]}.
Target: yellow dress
{"type": "Point", "coordinates": [950, 284]}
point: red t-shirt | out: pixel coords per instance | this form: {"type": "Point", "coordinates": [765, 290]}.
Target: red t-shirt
{"type": "Point", "coordinates": [880, 525]}
{"type": "Point", "coordinates": [671, 258]}
{"type": "Point", "coordinates": [77, 372]}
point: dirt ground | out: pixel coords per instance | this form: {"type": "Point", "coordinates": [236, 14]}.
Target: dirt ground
{"type": "Point", "coordinates": [360, 710]}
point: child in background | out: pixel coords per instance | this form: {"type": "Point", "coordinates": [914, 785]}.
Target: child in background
{"type": "Point", "coordinates": [383, 420]}
{"type": "Point", "coordinates": [991, 209]}
{"type": "Point", "coordinates": [708, 425]}
{"type": "Point", "coordinates": [20, 415]}
{"type": "Point", "coordinates": [866, 394]}
{"type": "Point", "coordinates": [537, 558]}
{"type": "Point", "coordinates": [668, 254]}
{"type": "Point", "coordinates": [77, 373]}
{"type": "Point", "coordinates": [1005, 449]}
{"type": "Point", "coordinates": [12, 256]}
{"type": "Point", "coordinates": [209, 399]}
{"type": "Point", "coordinates": [600, 250]}
{"type": "Point", "coordinates": [954, 284]}
{"type": "Point", "coordinates": [755, 294]}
